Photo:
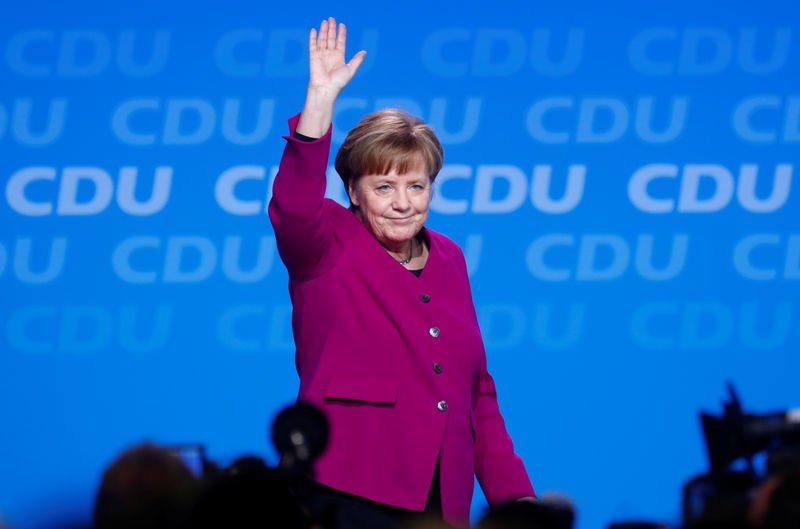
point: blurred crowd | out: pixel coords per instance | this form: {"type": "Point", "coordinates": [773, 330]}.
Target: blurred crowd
{"type": "Point", "coordinates": [151, 487]}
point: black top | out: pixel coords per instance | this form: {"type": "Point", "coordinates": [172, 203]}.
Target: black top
{"type": "Point", "coordinates": [303, 137]}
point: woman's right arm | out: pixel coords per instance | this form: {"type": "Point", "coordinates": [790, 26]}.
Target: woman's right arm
{"type": "Point", "coordinates": [297, 208]}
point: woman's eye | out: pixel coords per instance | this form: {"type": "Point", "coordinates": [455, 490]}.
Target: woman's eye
{"type": "Point", "coordinates": [384, 187]}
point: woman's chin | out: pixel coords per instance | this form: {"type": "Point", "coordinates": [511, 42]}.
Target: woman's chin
{"type": "Point", "coordinates": [396, 238]}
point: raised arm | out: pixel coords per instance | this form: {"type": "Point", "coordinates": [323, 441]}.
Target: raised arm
{"type": "Point", "coordinates": [298, 209]}
{"type": "Point", "coordinates": [328, 74]}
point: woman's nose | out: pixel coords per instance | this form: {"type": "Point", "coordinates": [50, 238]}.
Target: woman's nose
{"type": "Point", "coordinates": [401, 201]}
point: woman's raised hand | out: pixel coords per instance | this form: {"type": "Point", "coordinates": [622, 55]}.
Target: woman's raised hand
{"type": "Point", "coordinates": [329, 73]}
{"type": "Point", "coordinates": [327, 68]}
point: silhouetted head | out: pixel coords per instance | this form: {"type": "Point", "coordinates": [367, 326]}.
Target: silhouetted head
{"type": "Point", "coordinates": [145, 487]}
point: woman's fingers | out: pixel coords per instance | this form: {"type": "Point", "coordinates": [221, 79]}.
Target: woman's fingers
{"type": "Point", "coordinates": [331, 33]}
{"type": "Point", "coordinates": [322, 41]}
{"type": "Point", "coordinates": [312, 40]}
{"type": "Point", "coordinates": [341, 38]}
{"type": "Point", "coordinates": [356, 61]}
{"type": "Point", "coordinates": [328, 38]}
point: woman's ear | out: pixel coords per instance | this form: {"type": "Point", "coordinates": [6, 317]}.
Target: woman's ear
{"type": "Point", "coordinates": [351, 192]}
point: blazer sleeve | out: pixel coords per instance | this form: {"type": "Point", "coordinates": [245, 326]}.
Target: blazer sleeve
{"type": "Point", "coordinates": [499, 469]}
{"type": "Point", "coordinates": [298, 209]}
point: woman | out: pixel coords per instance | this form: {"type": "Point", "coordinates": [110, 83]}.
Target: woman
{"type": "Point", "coordinates": [387, 338]}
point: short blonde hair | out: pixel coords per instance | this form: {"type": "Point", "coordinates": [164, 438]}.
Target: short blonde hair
{"type": "Point", "coordinates": [387, 140]}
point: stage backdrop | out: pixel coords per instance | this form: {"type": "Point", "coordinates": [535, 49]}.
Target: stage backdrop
{"type": "Point", "coordinates": [622, 180]}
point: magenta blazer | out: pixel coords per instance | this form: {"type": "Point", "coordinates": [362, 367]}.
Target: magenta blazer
{"type": "Point", "coordinates": [397, 362]}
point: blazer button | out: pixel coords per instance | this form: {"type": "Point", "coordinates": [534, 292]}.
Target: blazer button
{"type": "Point", "coordinates": [437, 368]}
{"type": "Point", "coordinates": [442, 405]}
{"type": "Point", "coordinates": [434, 332]}
{"type": "Point", "coordinates": [424, 298]}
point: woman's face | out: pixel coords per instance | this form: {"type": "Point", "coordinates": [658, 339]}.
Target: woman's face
{"type": "Point", "coordinates": [393, 206]}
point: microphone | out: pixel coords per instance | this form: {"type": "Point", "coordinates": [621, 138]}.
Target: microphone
{"type": "Point", "coordinates": [300, 434]}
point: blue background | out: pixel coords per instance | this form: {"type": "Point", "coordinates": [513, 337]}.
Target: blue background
{"type": "Point", "coordinates": [601, 406]}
